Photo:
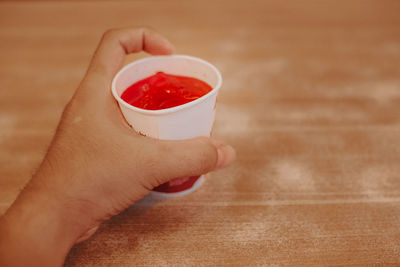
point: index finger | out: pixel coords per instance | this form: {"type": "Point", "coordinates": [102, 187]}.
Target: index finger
{"type": "Point", "coordinates": [117, 43]}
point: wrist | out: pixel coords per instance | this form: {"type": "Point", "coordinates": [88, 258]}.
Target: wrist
{"type": "Point", "coordinates": [40, 225]}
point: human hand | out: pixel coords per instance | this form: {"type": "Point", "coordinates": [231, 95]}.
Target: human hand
{"type": "Point", "coordinates": [96, 165]}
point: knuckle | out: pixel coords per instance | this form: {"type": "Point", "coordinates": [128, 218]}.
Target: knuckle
{"type": "Point", "coordinates": [143, 29]}
{"type": "Point", "coordinates": [110, 33]}
{"type": "Point", "coordinates": [150, 160]}
{"type": "Point", "coordinates": [114, 32]}
{"type": "Point", "coordinates": [207, 159]}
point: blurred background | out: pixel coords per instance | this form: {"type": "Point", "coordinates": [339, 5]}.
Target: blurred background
{"type": "Point", "coordinates": [311, 102]}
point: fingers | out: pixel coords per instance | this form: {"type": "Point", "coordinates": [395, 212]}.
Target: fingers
{"type": "Point", "coordinates": [117, 43]}
{"type": "Point", "coordinates": [191, 158]}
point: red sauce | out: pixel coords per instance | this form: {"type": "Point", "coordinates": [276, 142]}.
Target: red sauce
{"type": "Point", "coordinates": [162, 91]}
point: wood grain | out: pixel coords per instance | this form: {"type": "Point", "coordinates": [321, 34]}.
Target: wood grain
{"type": "Point", "coordinates": [311, 102]}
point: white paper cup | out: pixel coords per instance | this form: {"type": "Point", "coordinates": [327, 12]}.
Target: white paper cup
{"type": "Point", "coordinates": [186, 121]}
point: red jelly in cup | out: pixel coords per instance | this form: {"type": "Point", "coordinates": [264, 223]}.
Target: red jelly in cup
{"type": "Point", "coordinates": [161, 91]}
{"type": "Point", "coordinates": [169, 98]}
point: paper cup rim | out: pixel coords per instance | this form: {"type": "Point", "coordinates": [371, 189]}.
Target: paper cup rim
{"type": "Point", "coordinates": [167, 110]}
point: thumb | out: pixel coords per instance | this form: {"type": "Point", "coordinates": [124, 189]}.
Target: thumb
{"type": "Point", "coordinates": [191, 157]}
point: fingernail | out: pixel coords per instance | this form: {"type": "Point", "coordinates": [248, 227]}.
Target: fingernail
{"type": "Point", "coordinates": [226, 155]}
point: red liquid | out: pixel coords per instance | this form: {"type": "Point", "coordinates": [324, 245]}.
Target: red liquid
{"type": "Point", "coordinates": [162, 91]}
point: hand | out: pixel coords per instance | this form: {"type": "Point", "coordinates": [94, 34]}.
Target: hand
{"type": "Point", "coordinates": [96, 165]}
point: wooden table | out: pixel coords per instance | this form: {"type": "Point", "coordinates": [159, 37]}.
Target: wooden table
{"type": "Point", "coordinates": [311, 102]}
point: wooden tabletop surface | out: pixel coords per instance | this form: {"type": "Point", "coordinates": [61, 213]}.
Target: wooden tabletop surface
{"type": "Point", "coordinates": [310, 101]}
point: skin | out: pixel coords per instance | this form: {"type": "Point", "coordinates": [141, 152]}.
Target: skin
{"type": "Point", "coordinates": [96, 165]}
